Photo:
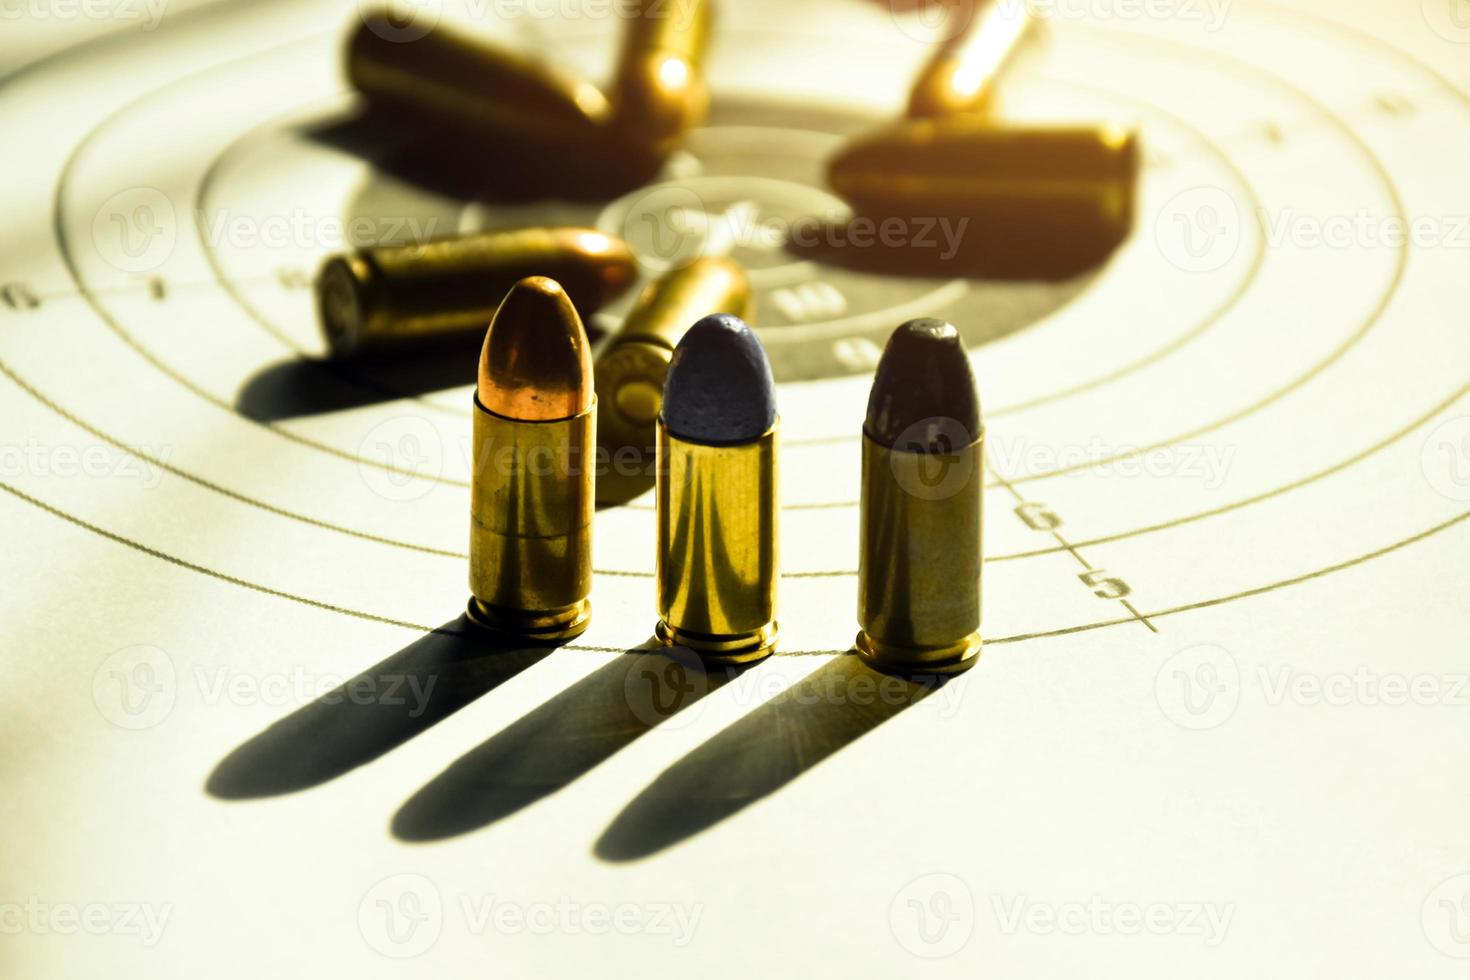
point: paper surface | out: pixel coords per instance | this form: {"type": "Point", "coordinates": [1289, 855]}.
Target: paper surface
{"type": "Point", "coordinates": [1218, 720]}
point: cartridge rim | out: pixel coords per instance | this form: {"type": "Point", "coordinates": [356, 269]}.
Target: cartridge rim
{"type": "Point", "coordinates": [735, 648]}
{"type": "Point", "coordinates": [347, 295]}
{"type": "Point", "coordinates": [892, 658]}
{"type": "Point", "coordinates": [530, 626]}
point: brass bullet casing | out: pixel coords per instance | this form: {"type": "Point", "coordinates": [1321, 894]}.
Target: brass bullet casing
{"type": "Point", "coordinates": [532, 482]}
{"type": "Point", "coordinates": [717, 547]}
{"type": "Point", "coordinates": [1077, 179]}
{"type": "Point", "coordinates": [402, 295]}
{"type": "Point", "coordinates": [716, 571]}
{"type": "Point", "coordinates": [490, 93]}
{"type": "Point", "coordinates": [659, 89]}
{"type": "Point", "coordinates": [631, 367]}
{"type": "Point", "coordinates": [923, 481]}
{"type": "Point", "coordinates": [965, 72]}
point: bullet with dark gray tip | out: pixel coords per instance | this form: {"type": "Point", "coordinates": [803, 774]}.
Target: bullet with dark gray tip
{"type": "Point", "coordinates": [922, 491]}
{"type": "Point", "coordinates": [717, 500]}
{"type": "Point", "coordinates": [632, 367]}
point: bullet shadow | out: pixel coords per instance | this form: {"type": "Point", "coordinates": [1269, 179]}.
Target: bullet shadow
{"type": "Point", "coordinates": [373, 713]}
{"type": "Point", "coordinates": [995, 245]}
{"type": "Point", "coordinates": [759, 754]}
{"type": "Point", "coordinates": [292, 389]}
{"type": "Point", "coordinates": [557, 742]}
{"type": "Point", "coordinates": [475, 166]}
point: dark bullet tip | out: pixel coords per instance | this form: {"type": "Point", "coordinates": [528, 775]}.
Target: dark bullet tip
{"type": "Point", "coordinates": [923, 397]}
{"type": "Point", "coordinates": [719, 388]}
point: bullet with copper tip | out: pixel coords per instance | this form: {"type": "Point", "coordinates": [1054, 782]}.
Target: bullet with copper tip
{"type": "Point", "coordinates": [923, 483]}
{"type": "Point", "coordinates": [531, 492]}
{"type": "Point", "coordinates": [966, 71]}
{"type": "Point", "coordinates": [716, 569]}
{"type": "Point", "coordinates": [658, 89]}
{"type": "Point", "coordinates": [410, 295]}
{"type": "Point", "coordinates": [632, 366]}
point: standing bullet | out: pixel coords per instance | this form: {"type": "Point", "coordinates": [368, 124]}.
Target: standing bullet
{"type": "Point", "coordinates": [659, 90]}
{"type": "Point", "coordinates": [962, 76]}
{"type": "Point", "coordinates": [717, 550]}
{"type": "Point", "coordinates": [488, 93]}
{"type": "Point", "coordinates": [632, 367]}
{"type": "Point", "coordinates": [922, 491]}
{"type": "Point", "coordinates": [532, 482]}
{"type": "Point", "coordinates": [407, 294]}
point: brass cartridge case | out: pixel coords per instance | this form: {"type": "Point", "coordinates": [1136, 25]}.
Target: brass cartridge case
{"type": "Point", "coordinates": [531, 525]}
{"type": "Point", "coordinates": [659, 89]}
{"type": "Point", "coordinates": [965, 72]}
{"type": "Point", "coordinates": [406, 295]}
{"type": "Point", "coordinates": [632, 365]}
{"type": "Point", "coordinates": [717, 547]}
{"type": "Point", "coordinates": [1076, 179]}
{"type": "Point", "coordinates": [920, 558]}
{"type": "Point", "coordinates": [473, 86]}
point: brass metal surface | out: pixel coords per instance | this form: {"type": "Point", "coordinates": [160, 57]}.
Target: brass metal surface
{"type": "Point", "coordinates": [1077, 179]}
{"type": "Point", "coordinates": [919, 558]}
{"type": "Point", "coordinates": [631, 367]}
{"type": "Point", "coordinates": [659, 89]}
{"type": "Point", "coordinates": [965, 72]}
{"type": "Point", "coordinates": [409, 295]}
{"type": "Point", "coordinates": [717, 547]}
{"type": "Point", "coordinates": [531, 525]}
{"type": "Point", "coordinates": [474, 86]}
